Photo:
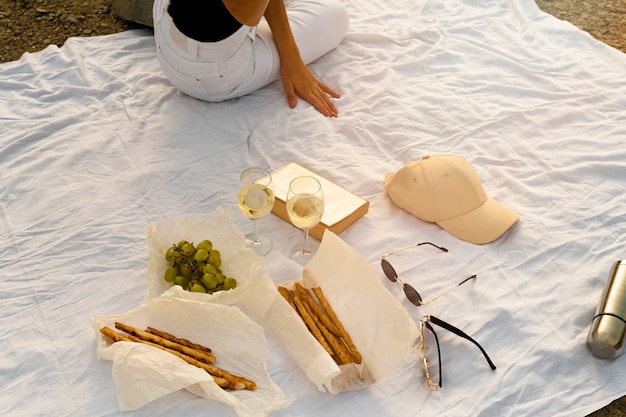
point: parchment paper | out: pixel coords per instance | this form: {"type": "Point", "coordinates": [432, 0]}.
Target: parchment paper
{"type": "Point", "coordinates": [143, 373]}
{"type": "Point", "coordinates": [380, 327]}
{"type": "Point", "coordinates": [218, 226]}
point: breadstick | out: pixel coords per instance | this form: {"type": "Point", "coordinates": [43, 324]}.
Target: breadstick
{"type": "Point", "coordinates": [306, 296]}
{"type": "Point", "coordinates": [223, 378]}
{"type": "Point", "coordinates": [310, 323]}
{"type": "Point", "coordinates": [144, 335]}
{"type": "Point", "coordinates": [342, 354]}
{"type": "Point", "coordinates": [113, 337]}
{"type": "Point", "coordinates": [287, 295]}
{"type": "Point", "coordinates": [344, 334]}
{"type": "Point", "coordinates": [233, 382]}
{"type": "Point", "coordinates": [175, 339]}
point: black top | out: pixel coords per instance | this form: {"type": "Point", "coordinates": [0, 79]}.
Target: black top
{"type": "Point", "coordinates": [203, 20]}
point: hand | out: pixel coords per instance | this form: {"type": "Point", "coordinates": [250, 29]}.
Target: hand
{"type": "Point", "coordinates": [298, 80]}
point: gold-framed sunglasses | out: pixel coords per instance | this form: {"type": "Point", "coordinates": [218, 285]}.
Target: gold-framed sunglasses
{"type": "Point", "coordinates": [410, 292]}
{"type": "Point", "coordinates": [425, 322]}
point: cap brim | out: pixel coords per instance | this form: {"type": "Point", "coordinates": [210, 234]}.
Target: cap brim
{"type": "Point", "coordinates": [481, 225]}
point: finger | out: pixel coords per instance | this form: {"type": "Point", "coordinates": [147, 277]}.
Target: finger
{"type": "Point", "coordinates": [329, 105]}
{"type": "Point", "coordinates": [329, 90]}
{"type": "Point", "coordinates": [291, 94]}
{"type": "Point", "coordinates": [318, 98]}
{"type": "Point", "coordinates": [331, 110]}
{"type": "Point", "coordinates": [329, 102]}
{"type": "Point", "coordinates": [322, 103]}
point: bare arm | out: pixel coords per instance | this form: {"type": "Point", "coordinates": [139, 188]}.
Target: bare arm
{"type": "Point", "coordinates": [247, 12]}
{"type": "Point", "coordinates": [296, 77]}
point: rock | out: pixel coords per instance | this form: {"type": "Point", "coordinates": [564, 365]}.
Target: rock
{"type": "Point", "coordinates": [139, 11]}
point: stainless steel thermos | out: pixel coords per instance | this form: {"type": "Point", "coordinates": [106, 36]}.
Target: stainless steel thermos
{"type": "Point", "coordinates": [608, 328]}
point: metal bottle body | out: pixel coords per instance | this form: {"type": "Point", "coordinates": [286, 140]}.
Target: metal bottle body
{"type": "Point", "coordinates": [608, 328]}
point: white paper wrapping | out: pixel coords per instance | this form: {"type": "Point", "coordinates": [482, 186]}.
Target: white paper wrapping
{"type": "Point", "coordinates": [143, 373]}
{"type": "Point", "coordinates": [379, 326]}
{"type": "Point", "coordinates": [218, 226]}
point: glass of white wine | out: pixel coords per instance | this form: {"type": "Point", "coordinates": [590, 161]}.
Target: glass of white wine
{"type": "Point", "coordinates": [305, 207]}
{"type": "Point", "coordinates": [255, 200]}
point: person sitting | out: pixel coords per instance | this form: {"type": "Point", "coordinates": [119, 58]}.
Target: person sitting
{"type": "Point", "coordinates": [215, 50]}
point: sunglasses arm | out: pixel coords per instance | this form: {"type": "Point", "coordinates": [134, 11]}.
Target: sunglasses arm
{"type": "Point", "coordinates": [462, 334]}
{"type": "Point", "coordinates": [427, 324]}
{"type": "Point", "coordinates": [449, 290]}
{"type": "Point", "coordinates": [412, 246]}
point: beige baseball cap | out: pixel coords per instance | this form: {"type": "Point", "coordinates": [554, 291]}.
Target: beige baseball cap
{"type": "Point", "coordinates": [446, 190]}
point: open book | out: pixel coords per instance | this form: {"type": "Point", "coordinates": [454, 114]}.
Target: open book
{"type": "Point", "coordinates": [342, 208]}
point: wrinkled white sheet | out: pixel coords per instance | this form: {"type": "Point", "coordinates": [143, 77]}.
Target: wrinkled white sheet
{"type": "Point", "coordinates": [95, 145]}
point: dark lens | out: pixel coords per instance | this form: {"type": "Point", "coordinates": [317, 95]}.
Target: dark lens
{"type": "Point", "coordinates": [412, 295]}
{"type": "Point", "coordinates": [388, 270]}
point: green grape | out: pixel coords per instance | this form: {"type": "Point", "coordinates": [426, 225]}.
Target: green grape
{"type": "Point", "coordinates": [201, 255]}
{"type": "Point", "coordinates": [170, 273]}
{"type": "Point", "coordinates": [220, 278]}
{"type": "Point", "coordinates": [181, 244]}
{"type": "Point", "coordinates": [188, 250]}
{"type": "Point", "coordinates": [230, 283]}
{"type": "Point", "coordinates": [182, 281]}
{"type": "Point", "coordinates": [215, 258]}
{"type": "Point", "coordinates": [171, 254]}
{"type": "Point", "coordinates": [186, 270]}
{"type": "Point", "coordinates": [209, 269]}
{"type": "Point", "coordinates": [205, 244]}
{"type": "Point", "coordinates": [197, 288]}
{"type": "Point", "coordinates": [209, 281]}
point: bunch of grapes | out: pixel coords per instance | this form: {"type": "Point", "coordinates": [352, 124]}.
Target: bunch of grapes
{"type": "Point", "coordinates": [196, 268]}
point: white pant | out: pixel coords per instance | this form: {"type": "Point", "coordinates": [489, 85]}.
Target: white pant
{"type": "Point", "coordinates": [248, 59]}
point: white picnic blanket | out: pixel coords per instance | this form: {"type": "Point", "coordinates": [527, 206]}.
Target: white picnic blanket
{"type": "Point", "coordinates": [95, 145]}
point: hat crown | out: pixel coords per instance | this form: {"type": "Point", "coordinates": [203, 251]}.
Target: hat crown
{"type": "Point", "coordinates": [450, 188]}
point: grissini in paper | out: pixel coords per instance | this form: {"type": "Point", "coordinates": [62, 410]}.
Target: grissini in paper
{"type": "Point", "coordinates": [287, 295]}
{"type": "Point", "coordinates": [342, 356]}
{"type": "Point", "coordinates": [221, 377]}
{"type": "Point", "coordinates": [234, 380]}
{"type": "Point", "coordinates": [150, 337]}
{"type": "Point", "coordinates": [331, 313]}
{"type": "Point", "coordinates": [304, 293]}
{"type": "Point", "coordinates": [310, 323]}
{"type": "Point", "coordinates": [178, 340]}
{"type": "Point", "coordinates": [305, 315]}
{"type": "Point", "coordinates": [312, 317]}
{"type": "Point", "coordinates": [112, 336]}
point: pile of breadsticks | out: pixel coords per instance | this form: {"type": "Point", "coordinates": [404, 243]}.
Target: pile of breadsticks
{"type": "Point", "coordinates": [322, 322]}
{"type": "Point", "coordinates": [190, 352]}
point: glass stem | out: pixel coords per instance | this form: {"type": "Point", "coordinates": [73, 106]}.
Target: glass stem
{"type": "Point", "coordinates": [254, 238]}
{"type": "Point", "coordinates": [306, 242]}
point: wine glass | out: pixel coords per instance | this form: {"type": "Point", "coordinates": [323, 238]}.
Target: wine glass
{"type": "Point", "coordinates": [305, 206]}
{"type": "Point", "coordinates": [255, 200]}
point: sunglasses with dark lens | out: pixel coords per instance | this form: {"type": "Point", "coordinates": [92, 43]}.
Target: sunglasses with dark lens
{"type": "Point", "coordinates": [425, 322]}
{"type": "Point", "coordinates": [410, 292]}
